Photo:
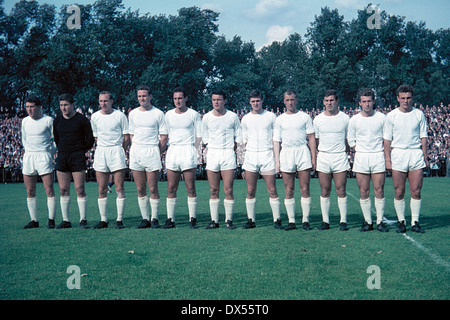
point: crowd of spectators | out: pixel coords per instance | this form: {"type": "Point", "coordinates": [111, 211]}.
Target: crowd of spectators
{"type": "Point", "coordinates": [438, 120]}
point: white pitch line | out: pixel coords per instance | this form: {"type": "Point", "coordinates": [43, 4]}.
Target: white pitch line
{"type": "Point", "coordinates": [437, 259]}
{"type": "Point", "coordinates": [433, 256]}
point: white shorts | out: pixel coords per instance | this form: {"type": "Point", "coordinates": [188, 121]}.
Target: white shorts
{"type": "Point", "coordinates": [37, 163]}
{"type": "Point", "coordinates": [405, 160]}
{"type": "Point", "coordinates": [145, 158]}
{"type": "Point", "coordinates": [332, 162]}
{"type": "Point", "coordinates": [295, 159]}
{"type": "Point", "coordinates": [259, 161]}
{"type": "Point", "coordinates": [367, 162]}
{"type": "Point", "coordinates": [109, 159]}
{"type": "Point", "coordinates": [220, 159]}
{"type": "Point", "coordinates": [181, 158]}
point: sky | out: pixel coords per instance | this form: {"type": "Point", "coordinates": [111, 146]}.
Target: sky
{"type": "Point", "coordinates": [265, 21]}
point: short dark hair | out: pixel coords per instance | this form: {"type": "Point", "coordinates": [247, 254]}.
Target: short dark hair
{"type": "Point", "coordinates": [290, 92]}
{"type": "Point", "coordinates": [144, 87]}
{"type": "Point", "coordinates": [67, 97]}
{"type": "Point", "coordinates": [33, 99]}
{"type": "Point", "coordinates": [180, 89]}
{"type": "Point", "coordinates": [108, 93]}
{"type": "Point", "coordinates": [330, 92]}
{"type": "Point", "coordinates": [405, 88]}
{"type": "Point", "coordinates": [255, 94]}
{"type": "Point", "coordinates": [220, 93]}
{"type": "Point", "coordinates": [366, 92]}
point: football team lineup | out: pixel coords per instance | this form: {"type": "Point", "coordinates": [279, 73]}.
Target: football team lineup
{"type": "Point", "coordinates": [291, 144]}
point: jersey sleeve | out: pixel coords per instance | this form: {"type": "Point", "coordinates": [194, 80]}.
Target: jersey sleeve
{"type": "Point", "coordinates": [351, 133]}
{"type": "Point", "coordinates": [387, 128]}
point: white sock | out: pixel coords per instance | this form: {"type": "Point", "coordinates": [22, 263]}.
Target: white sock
{"type": "Point", "coordinates": [275, 205]}
{"type": "Point", "coordinates": [82, 206]}
{"type": "Point", "coordinates": [399, 206]}
{"type": "Point", "coordinates": [51, 205]}
{"type": "Point", "coordinates": [214, 209]}
{"type": "Point", "coordinates": [65, 207]}
{"type": "Point", "coordinates": [306, 208]}
{"type": "Point", "coordinates": [192, 207]}
{"type": "Point", "coordinates": [103, 209]}
{"type": "Point", "coordinates": [342, 204]}
{"type": "Point", "coordinates": [250, 204]}
{"type": "Point", "coordinates": [366, 208]}
{"type": "Point", "coordinates": [171, 204]}
{"type": "Point", "coordinates": [229, 208]}
{"type": "Point", "coordinates": [32, 208]}
{"type": "Point", "coordinates": [143, 207]}
{"type": "Point", "coordinates": [325, 208]}
{"type": "Point", "coordinates": [379, 207]}
{"type": "Point", "coordinates": [154, 206]}
{"type": "Point", "coordinates": [120, 205]}
{"type": "Point", "coordinates": [415, 210]}
{"type": "Point", "coordinates": [290, 209]}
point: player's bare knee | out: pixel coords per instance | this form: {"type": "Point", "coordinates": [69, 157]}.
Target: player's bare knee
{"type": "Point", "coordinates": [364, 194]}
{"type": "Point", "coordinates": [80, 192]}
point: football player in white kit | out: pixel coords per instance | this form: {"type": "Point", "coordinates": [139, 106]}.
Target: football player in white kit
{"type": "Point", "coordinates": [148, 135]}
{"type": "Point", "coordinates": [293, 133]}
{"type": "Point", "coordinates": [184, 127]}
{"type": "Point", "coordinates": [330, 129]}
{"type": "Point", "coordinates": [37, 134]}
{"type": "Point", "coordinates": [221, 132]}
{"type": "Point", "coordinates": [110, 129]}
{"type": "Point", "coordinates": [365, 135]}
{"type": "Point", "coordinates": [257, 133]}
{"type": "Point", "coordinates": [405, 147]}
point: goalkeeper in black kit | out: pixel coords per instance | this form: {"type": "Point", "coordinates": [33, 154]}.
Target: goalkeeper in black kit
{"type": "Point", "coordinates": [73, 137]}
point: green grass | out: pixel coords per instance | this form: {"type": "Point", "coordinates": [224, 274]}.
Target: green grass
{"type": "Point", "coordinates": [221, 264]}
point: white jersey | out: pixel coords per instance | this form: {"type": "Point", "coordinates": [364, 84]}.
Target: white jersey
{"type": "Point", "coordinates": [331, 132]}
{"type": "Point", "coordinates": [257, 131]}
{"type": "Point", "coordinates": [292, 129]}
{"type": "Point", "coordinates": [405, 129]}
{"type": "Point", "coordinates": [184, 127]}
{"type": "Point", "coordinates": [366, 133]}
{"type": "Point", "coordinates": [221, 132]}
{"type": "Point", "coordinates": [37, 134]}
{"type": "Point", "coordinates": [109, 128]}
{"type": "Point", "coordinates": [146, 126]}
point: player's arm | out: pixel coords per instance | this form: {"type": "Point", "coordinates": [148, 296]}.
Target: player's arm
{"type": "Point", "coordinates": [312, 147]}
{"type": "Point", "coordinates": [424, 146]}
{"type": "Point", "coordinates": [126, 141]}
{"type": "Point", "coordinates": [387, 153]}
{"type": "Point", "coordinates": [163, 138]}
{"type": "Point", "coordinates": [276, 152]}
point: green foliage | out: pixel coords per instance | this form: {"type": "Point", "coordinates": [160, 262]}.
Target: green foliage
{"type": "Point", "coordinates": [117, 49]}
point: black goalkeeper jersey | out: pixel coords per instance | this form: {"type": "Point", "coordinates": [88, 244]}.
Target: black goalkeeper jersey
{"type": "Point", "coordinates": [74, 134]}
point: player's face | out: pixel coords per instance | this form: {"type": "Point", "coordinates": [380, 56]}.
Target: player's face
{"type": "Point", "coordinates": [366, 104]}
{"type": "Point", "coordinates": [290, 102]}
{"type": "Point", "coordinates": [67, 108]}
{"type": "Point", "coordinates": [405, 100]}
{"type": "Point", "coordinates": [218, 102]}
{"type": "Point", "coordinates": [105, 103]}
{"type": "Point", "coordinates": [256, 104]}
{"type": "Point", "coordinates": [34, 111]}
{"type": "Point", "coordinates": [330, 103]}
{"type": "Point", "coordinates": [144, 98]}
{"type": "Point", "coordinates": [179, 100]}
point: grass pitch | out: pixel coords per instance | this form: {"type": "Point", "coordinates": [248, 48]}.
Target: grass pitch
{"type": "Point", "coordinates": [221, 264]}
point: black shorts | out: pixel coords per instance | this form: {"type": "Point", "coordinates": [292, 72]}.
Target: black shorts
{"type": "Point", "coordinates": [71, 162]}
